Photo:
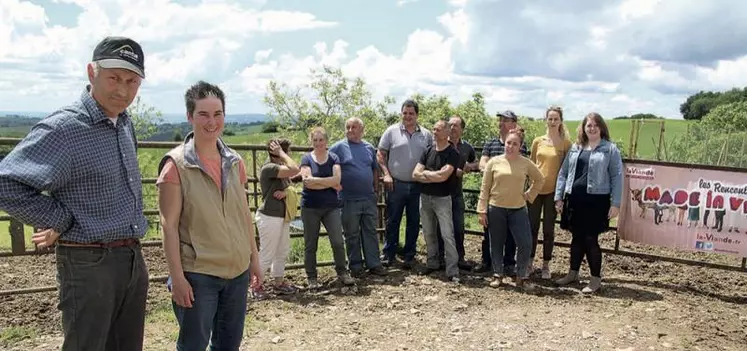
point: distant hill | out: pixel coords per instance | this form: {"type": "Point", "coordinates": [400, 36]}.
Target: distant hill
{"type": "Point", "coordinates": [240, 118]}
{"type": "Point", "coordinates": [17, 124]}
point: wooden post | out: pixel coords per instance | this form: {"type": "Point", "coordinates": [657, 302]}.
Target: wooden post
{"type": "Point", "coordinates": [630, 138]}
{"type": "Point", "coordinates": [255, 184]}
{"type": "Point", "coordinates": [661, 141]}
{"type": "Point", "coordinates": [741, 155]}
{"type": "Point", "coordinates": [723, 156]}
{"type": "Point", "coordinates": [17, 237]}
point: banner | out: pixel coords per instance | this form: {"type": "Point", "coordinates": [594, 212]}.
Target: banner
{"type": "Point", "coordinates": [684, 208]}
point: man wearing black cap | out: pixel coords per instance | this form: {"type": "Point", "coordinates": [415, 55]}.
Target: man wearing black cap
{"type": "Point", "coordinates": [85, 157]}
{"type": "Point", "coordinates": [496, 147]}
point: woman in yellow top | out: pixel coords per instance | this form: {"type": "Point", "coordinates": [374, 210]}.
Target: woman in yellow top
{"type": "Point", "coordinates": [548, 152]}
{"type": "Point", "coordinates": [502, 202]}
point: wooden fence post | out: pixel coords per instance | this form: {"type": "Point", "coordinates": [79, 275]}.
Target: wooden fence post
{"type": "Point", "coordinates": [17, 237]}
{"type": "Point", "coordinates": [661, 141]}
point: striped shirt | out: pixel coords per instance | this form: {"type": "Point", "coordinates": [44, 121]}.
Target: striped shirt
{"type": "Point", "coordinates": [87, 165]}
{"type": "Point", "coordinates": [496, 147]}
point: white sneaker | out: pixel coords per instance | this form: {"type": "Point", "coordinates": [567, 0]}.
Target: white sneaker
{"type": "Point", "coordinates": [546, 273]}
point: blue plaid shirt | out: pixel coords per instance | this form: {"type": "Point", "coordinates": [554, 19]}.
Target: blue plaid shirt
{"type": "Point", "coordinates": [87, 165]}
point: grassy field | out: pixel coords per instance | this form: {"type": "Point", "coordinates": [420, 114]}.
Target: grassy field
{"type": "Point", "coordinates": [149, 159]}
{"type": "Point", "coordinates": [648, 137]}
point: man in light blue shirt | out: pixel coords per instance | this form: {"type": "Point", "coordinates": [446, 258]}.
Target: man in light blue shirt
{"type": "Point", "coordinates": [359, 174]}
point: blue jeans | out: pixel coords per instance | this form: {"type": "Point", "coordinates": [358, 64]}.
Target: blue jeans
{"type": "Point", "coordinates": [505, 223]}
{"type": "Point", "coordinates": [404, 197]}
{"type": "Point", "coordinates": [457, 210]}
{"type": "Point", "coordinates": [509, 251]}
{"type": "Point", "coordinates": [359, 229]}
{"type": "Point", "coordinates": [219, 309]}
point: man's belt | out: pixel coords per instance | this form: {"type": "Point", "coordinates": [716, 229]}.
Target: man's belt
{"type": "Point", "coordinates": [109, 245]}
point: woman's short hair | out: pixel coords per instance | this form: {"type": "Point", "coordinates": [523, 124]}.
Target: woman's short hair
{"type": "Point", "coordinates": [284, 144]}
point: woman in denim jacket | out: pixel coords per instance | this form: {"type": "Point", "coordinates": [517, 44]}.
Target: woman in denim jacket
{"type": "Point", "coordinates": [590, 180]}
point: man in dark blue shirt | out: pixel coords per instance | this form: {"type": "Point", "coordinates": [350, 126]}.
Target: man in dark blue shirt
{"type": "Point", "coordinates": [85, 156]}
{"type": "Point", "coordinates": [437, 171]}
{"type": "Point", "coordinates": [359, 177]}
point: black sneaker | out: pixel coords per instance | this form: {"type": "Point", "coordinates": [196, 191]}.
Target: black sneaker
{"type": "Point", "coordinates": [407, 265]}
{"type": "Point", "coordinates": [483, 268]}
{"type": "Point", "coordinates": [379, 271]}
{"type": "Point", "coordinates": [427, 270]}
{"type": "Point", "coordinates": [464, 265]}
{"type": "Point", "coordinates": [356, 273]}
{"type": "Point", "coordinates": [388, 262]}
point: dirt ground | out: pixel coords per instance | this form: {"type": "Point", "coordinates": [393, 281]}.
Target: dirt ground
{"type": "Point", "coordinates": [644, 305]}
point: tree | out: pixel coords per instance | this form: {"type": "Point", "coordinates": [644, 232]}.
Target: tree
{"type": "Point", "coordinates": [270, 127]}
{"type": "Point", "coordinates": [700, 104]}
{"type": "Point", "coordinates": [727, 118]}
{"type": "Point", "coordinates": [480, 125]}
{"type": "Point", "coordinates": [145, 118]}
{"type": "Point", "coordinates": [327, 101]}
{"type": "Point", "coordinates": [720, 138]}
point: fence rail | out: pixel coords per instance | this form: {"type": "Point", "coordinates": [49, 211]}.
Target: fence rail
{"type": "Point", "coordinates": [18, 244]}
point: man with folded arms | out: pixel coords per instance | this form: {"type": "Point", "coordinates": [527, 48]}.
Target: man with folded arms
{"type": "Point", "coordinates": [85, 156]}
{"type": "Point", "coordinates": [437, 171]}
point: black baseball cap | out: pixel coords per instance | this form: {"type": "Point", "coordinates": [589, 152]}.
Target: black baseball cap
{"type": "Point", "coordinates": [120, 52]}
{"type": "Point", "coordinates": [508, 114]}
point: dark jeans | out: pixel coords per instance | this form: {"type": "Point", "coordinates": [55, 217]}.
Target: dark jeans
{"type": "Point", "coordinates": [312, 219]}
{"type": "Point", "coordinates": [404, 197]}
{"type": "Point", "coordinates": [359, 229]}
{"type": "Point", "coordinates": [217, 314]}
{"type": "Point", "coordinates": [457, 210]}
{"type": "Point", "coordinates": [509, 250]}
{"type": "Point", "coordinates": [102, 297]}
{"type": "Point", "coordinates": [543, 205]}
{"type": "Point", "coordinates": [505, 223]}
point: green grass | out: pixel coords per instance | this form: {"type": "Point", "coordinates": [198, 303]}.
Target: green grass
{"type": "Point", "coordinates": [648, 138]}
{"type": "Point", "coordinates": [12, 335]}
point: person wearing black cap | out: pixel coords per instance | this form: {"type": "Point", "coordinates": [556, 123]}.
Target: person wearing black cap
{"type": "Point", "coordinates": [495, 147]}
{"type": "Point", "coordinates": [85, 157]}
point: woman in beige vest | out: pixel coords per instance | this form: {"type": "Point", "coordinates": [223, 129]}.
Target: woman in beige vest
{"type": "Point", "coordinates": [208, 235]}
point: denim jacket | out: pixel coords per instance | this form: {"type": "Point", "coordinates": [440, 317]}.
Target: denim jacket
{"type": "Point", "coordinates": [605, 172]}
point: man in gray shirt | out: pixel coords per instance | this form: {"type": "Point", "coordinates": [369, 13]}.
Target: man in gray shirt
{"type": "Point", "coordinates": [400, 149]}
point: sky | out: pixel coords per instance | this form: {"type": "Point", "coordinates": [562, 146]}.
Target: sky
{"type": "Point", "coordinates": [615, 57]}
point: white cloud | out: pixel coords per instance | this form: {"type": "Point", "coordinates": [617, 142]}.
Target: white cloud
{"type": "Point", "coordinates": [401, 3]}
{"type": "Point", "coordinates": [617, 57]}
{"type": "Point", "coordinates": [181, 42]}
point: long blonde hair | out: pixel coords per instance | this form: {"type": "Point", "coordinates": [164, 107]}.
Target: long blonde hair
{"type": "Point", "coordinates": [562, 129]}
